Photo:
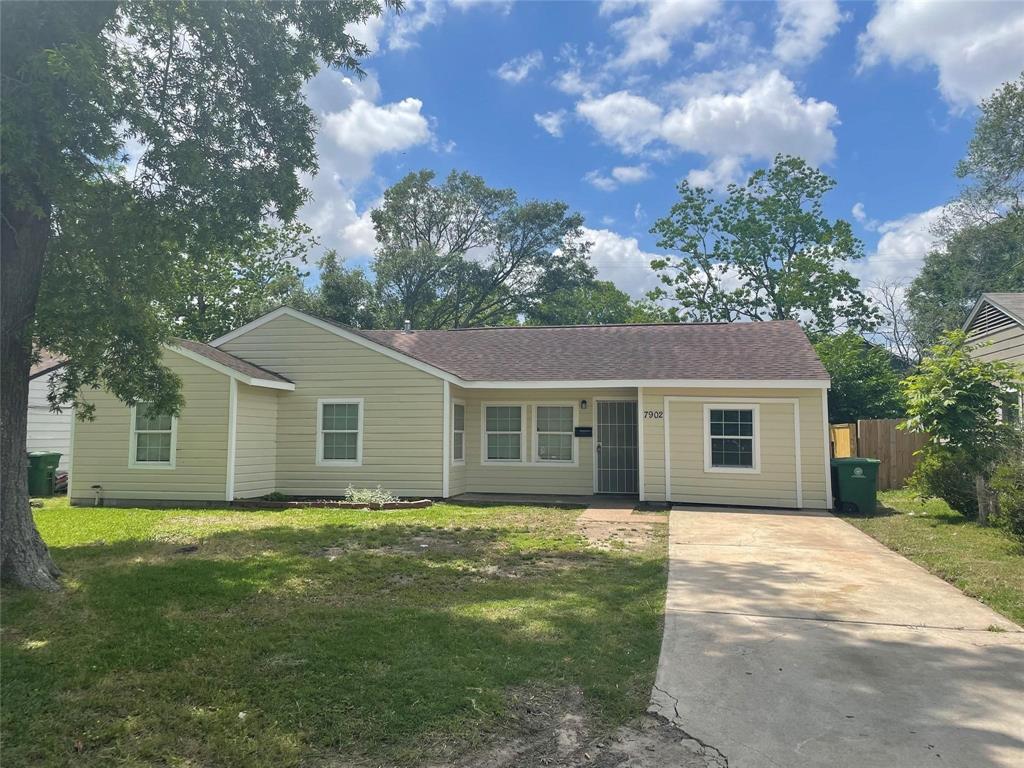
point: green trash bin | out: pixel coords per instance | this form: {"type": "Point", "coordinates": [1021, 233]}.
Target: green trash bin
{"type": "Point", "coordinates": [855, 485]}
{"type": "Point", "coordinates": [42, 472]}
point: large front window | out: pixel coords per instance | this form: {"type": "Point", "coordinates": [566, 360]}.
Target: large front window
{"type": "Point", "coordinates": [340, 431]}
{"type": "Point", "coordinates": [731, 436]}
{"type": "Point", "coordinates": [554, 433]}
{"type": "Point", "coordinates": [503, 426]}
{"type": "Point", "coordinates": [153, 437]}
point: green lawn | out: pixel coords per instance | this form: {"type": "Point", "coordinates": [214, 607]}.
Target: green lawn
{"type": "Point", "coordinates": [317, 636]}
{"type": "Point", "coordinates": [983, 562]}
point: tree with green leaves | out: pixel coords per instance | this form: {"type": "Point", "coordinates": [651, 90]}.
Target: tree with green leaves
{"type": "Point", "coordinates": [461, 253]}
{"type": "Point", "coordinates": [134, 132]}
{"type": "Point", "coordinates": [343, 294]}
{"type": "Point", "coordinates": [216, 291]}
{"type": "Point", "coordinates": [960, 402]}
{"type": "Point", "coordinates": [865, 379]}
{"type": "Point", "coordinates": [765, 252]}
{"type": "Point", "coordinates": [597, 302]}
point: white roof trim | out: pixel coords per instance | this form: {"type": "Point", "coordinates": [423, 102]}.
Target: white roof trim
{"type": "Point", "coordinates": [337, 331]}
{"type": "Point", "coordinates": [987, 299]}
{"type": "Point", "coordinates": [252, 381]}
{"type": "Point", "coordinates": [539, 384]}
{"type": "Point", "coordinates": [653, 383]}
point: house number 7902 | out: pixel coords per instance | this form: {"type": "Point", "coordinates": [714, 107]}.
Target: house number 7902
{"type": "Point", "coordinates": [654, 414]}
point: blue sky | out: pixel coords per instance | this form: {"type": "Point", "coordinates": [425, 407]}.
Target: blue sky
{"type": "Point", "coordinates": [607, 106]}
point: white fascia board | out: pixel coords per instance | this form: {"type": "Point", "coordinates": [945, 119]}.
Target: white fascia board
{"type": "Point", "coordinates": [653, 383]}
{"type": "Point", "coordinates": [230, 372]}
{"type": "Point", "coordinates": [355, 338]}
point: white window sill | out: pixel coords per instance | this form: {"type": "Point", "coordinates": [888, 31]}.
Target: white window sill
{"type": "Point", "coordinates": [151, 465]}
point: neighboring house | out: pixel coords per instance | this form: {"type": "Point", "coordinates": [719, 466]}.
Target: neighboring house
{"type": "Point", "coordinates": [996, 325]}
{"type": "Point", "coordinates": [47, 431]}
{"type": "Point", "coordinates": [732, 414]}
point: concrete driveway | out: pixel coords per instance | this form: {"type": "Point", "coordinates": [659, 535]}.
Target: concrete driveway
{"type": "Point", "coordinates": [792, 639]}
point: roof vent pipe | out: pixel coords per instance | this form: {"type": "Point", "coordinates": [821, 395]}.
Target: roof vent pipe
{"type": "Point", "coordinates": [408, 326]}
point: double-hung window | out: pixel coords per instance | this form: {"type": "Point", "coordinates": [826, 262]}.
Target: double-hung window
{"type": "Point", "coordinates": [555, 433]}
{"type": "Point", "coordinates": [458, 433]}
{"type": "Point", "coordinates": [154, 437]}
{"type": "Point", "coordinates": [730, 439]}
{"type": "Point", "coordinates": [339, 431]}
{"type": "Point", "coordinates": [503, 433]}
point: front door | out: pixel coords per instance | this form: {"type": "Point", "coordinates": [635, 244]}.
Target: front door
{"type": "Point", "coordinates": [616, 446]}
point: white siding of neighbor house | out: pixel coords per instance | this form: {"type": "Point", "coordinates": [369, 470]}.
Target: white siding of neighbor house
{"type": "Point", "coordinates": [402, 423]}
{"type": "Point", "coordinates": [774, 486]}
{"type": "Point", "coordinates": [1006, 345]}
{"type": "Point", "coordinates": [255, 441]}
{"type": "Point", "coordinates": [47, 431]}
{"type": "Point", "coordinates": [530, 476]}
{"type": "Point", "coordinates": [101, 446]}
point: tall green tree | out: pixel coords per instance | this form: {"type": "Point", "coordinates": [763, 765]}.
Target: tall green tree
{"type": "Point", "coordinates": [209, 96]}
{"type": "Point", "coordinates": [597, 302]}
{"type": "Point", "coordinates": [461, 253]}
{"type": "Point", "coordinates": [958, 401]}
{"type": "Point", "coordinates": [865, 379]}
{"type": "Point", "coordinates": [216, 291]}
{"type": "Point", "coordinates": [343, 294]}
{"type": "Point", "coordinates": [765, 252]}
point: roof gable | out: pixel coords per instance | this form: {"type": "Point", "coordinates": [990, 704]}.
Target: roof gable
{"type": "Point", "coordinates": [995, 312]}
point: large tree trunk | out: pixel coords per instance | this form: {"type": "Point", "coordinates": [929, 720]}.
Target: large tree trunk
{"type": "Point", "coordinates": [984, 495]}
{"type": "Point", "coordinates": [24, 558]}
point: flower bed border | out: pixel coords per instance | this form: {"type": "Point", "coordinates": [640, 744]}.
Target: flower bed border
{"type": "Point", "coordinates": [330, 504]}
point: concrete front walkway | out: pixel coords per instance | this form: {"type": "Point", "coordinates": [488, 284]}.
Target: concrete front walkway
{"type": "Point", "coordinates": [792, 639]}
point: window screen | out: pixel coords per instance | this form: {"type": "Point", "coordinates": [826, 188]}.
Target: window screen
{"type": "Point", "coordinates": [732, 438]}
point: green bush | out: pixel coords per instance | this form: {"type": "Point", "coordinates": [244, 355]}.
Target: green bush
{"type": "Point", "coordinates": [943, 473]}
{"type": "Point", "coordinates": [371, 496]}
{"type": "Point", "coordinates": [1008, 484]}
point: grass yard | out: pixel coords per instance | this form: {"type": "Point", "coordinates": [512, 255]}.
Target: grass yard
{"type": "Point", "coordinates": [984, 563]}
{"type": "Point", "coordinates": [318, 637]}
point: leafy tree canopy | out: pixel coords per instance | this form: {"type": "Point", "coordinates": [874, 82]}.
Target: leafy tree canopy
{"type": "Point", "coordinates": [343, 294]}
{"type": "Point", "coordinates": [765, 252]}
{"type": "Point", "coordinates": [597, 302]}
{"type": "Point", "coordinates": [865, 379]}
{"type": "Point", "coordinates": [460, 253]}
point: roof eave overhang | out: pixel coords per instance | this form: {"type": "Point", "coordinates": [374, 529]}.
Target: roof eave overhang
{"type": "Point", "coordinates": [985, 299]}
{"type": "Point", "coordinates": [252, 381]}
{"type": "Point", "coordinates": [654, 383]}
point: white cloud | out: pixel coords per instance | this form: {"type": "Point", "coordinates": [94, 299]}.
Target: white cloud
{"type": "Point", "coordinates": [624, 119]}
{"type": "Point", "coordinates": [552, 122]}
{"type": "Point", "coordinates": [650, 34]}
{"type": "Point", "coordinates": [414, 18]}
{"type": "Point", "coordinates": [803, 28]}
{"type": "Point", "coordinates": [622, 261]}
{"type": "Point", "coordinates": [517, 70]}
{"type": "Point", "coordinates": [354, 131]}
{"type": "Point", "coordinates": [975, 46]}
{"type": "Point", "coordinates": [901, 249]}
{"type": "Point", "coordinates": [858, 212]}
{"type": "Point", "coordinates": [631, 174]}
{"type": "Point", "coordinates": [722, 172]}
{"type": "Point", "coordinates": [598, 180]}
{"type": "Point", "coordinates": [766, 118]}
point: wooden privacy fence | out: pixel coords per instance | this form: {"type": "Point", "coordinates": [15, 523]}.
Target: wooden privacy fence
{"type": "Point", "coordinates": [879, 439]}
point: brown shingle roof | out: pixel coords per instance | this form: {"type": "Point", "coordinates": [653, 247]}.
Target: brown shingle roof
{"type": "Point", "coordinates": [749, 351]}
{"type": "Point", "coordinates": [228, 360]}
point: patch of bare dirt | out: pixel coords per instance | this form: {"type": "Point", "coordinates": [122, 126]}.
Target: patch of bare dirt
{"type": "Point", "coordinates": [425, 544]}
{"type": "Point", "coordinates": [611, 535]}
{"type": "Point", "coordinates": [551, 730]}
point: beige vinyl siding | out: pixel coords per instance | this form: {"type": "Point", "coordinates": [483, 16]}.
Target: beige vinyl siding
{"type": "Point", "coordinates": [531, 476]}
{"type": "Point", "coordinates": [774, 485]}
{"type": "Point", "coordinates": [101, 446]}
{"type": "Point", "coordinates": [402, 423]}
{"type": "Point", "coordinates": [1006, 345]}
{"type": "Point", "coordinates": [255, 441]}
{"type": "Point", "coordinates": [47, 431]}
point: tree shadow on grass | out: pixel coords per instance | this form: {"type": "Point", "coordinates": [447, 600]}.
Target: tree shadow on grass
{"type": "Point", "coordinates": [378, 649]}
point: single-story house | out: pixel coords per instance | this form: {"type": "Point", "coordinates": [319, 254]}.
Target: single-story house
{"type": "Point", "coordinates": [731, 414]}
{"type": "Point", "coordinates": [996, 326]}
{"type": "Point", "coordinates": [47, 430]}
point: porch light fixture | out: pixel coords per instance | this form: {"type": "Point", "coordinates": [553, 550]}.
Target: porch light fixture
{"type": "Point", "coordinates": [583, 405]}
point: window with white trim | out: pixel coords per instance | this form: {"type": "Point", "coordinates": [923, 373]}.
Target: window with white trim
{"type": "Point", "coordinates": [731, 434]}
{"type": "Point", "coordinates": [154, 436]}
{"type": "Point", "coordinates": [555, 433]}
{"type": "Point", "coordinates": [458, 433]}
{"type": "Point", "coordinates": [340, 431]}
{"type": "Point", "coordinates": [503, 432]}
